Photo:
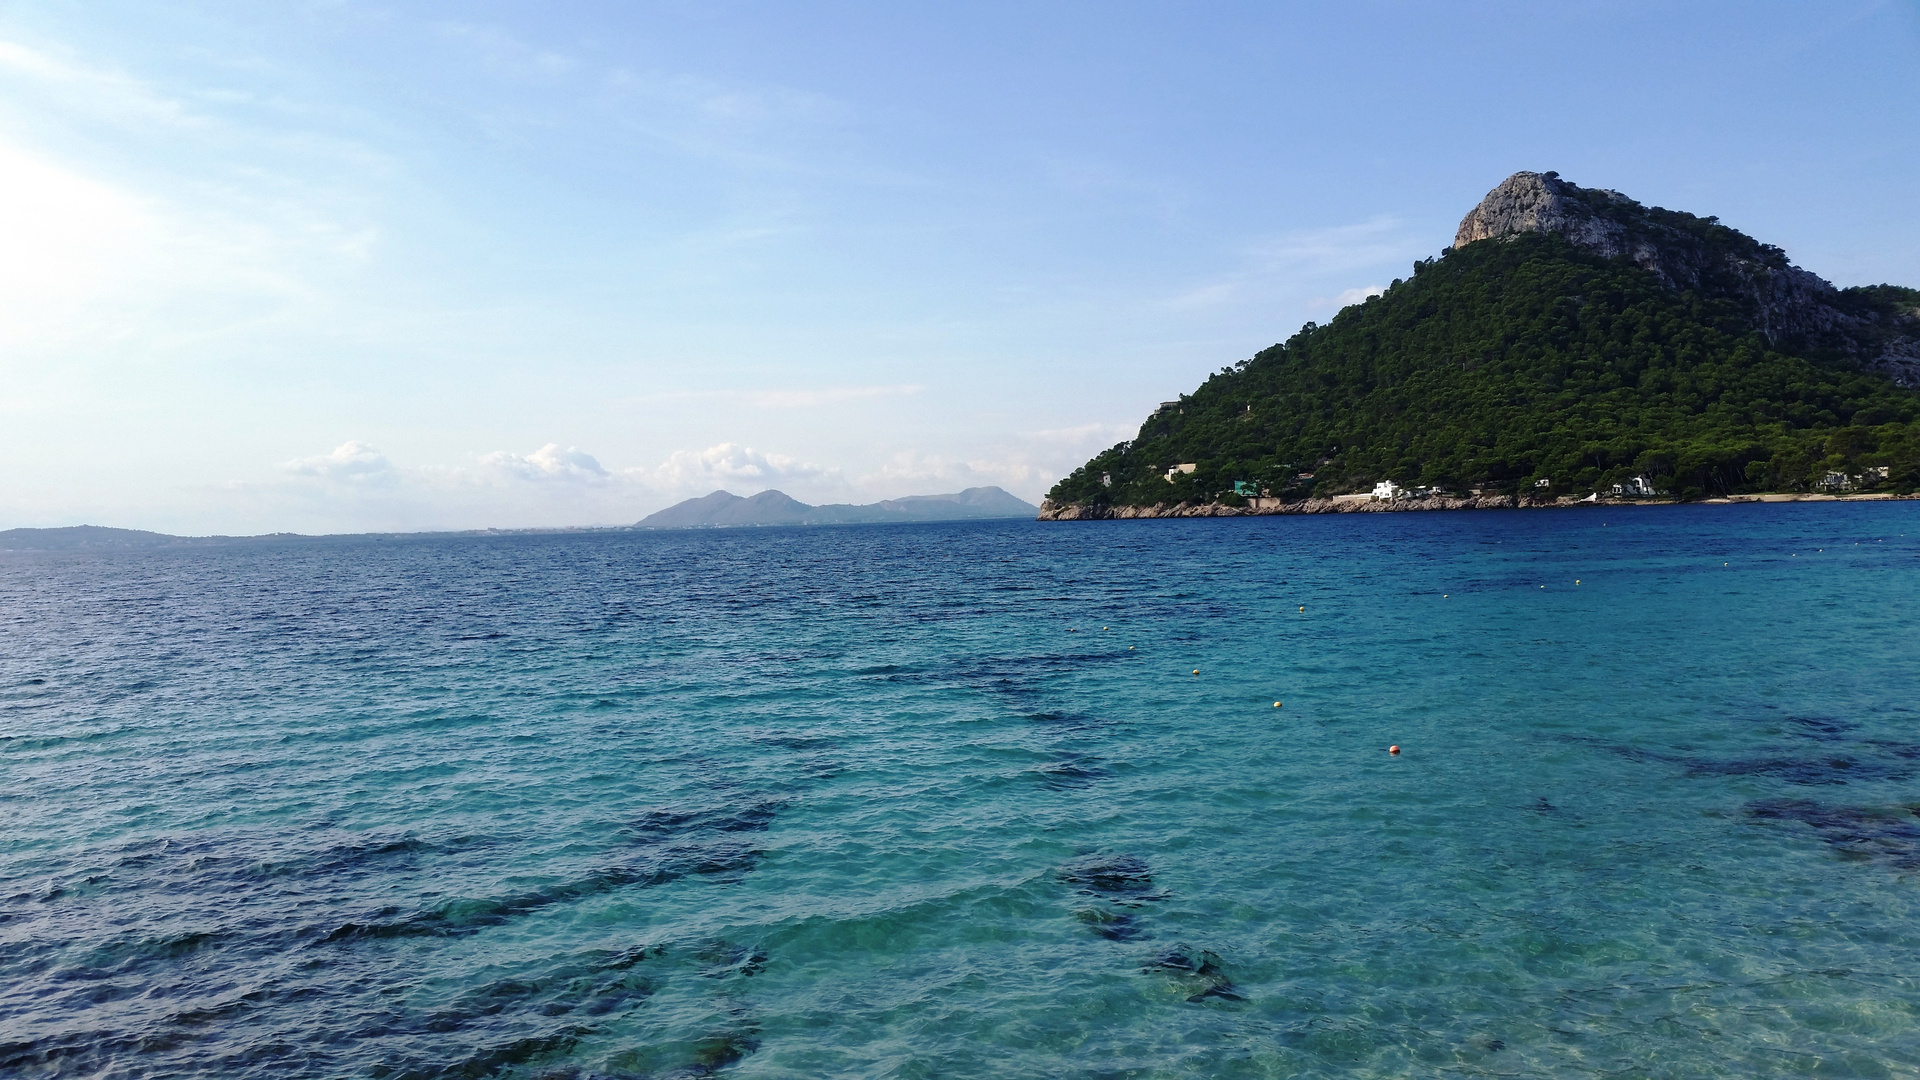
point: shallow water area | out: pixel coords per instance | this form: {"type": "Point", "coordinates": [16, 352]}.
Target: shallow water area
{"type": "Point", "coordinates": [950, 800]}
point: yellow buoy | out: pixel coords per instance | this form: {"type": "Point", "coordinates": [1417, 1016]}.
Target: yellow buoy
{"type": "Point", "coordinates": [1276, 704]}
{"type": "Point", "coordinates": [1303, 607]}
{"type": "Point", "coordinates": [1129, 648]}
{"type": "Point", "coordinates": [1196, 671]}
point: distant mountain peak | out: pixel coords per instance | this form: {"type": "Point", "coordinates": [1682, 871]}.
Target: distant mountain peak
{"type": "Point", "coordinates": [721, 509]}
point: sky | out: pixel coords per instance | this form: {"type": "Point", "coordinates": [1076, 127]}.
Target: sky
{"type": "Point", "coordinates": [345, 266]}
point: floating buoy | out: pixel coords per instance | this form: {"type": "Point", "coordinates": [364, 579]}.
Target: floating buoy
{"type": "Point", "coordinates": [1103, 628]}
{"type": "Point", "coordinates": [1393, 749]}
{"type": "Point", "coordinates": [1576, 581]}
{"type": "Point", "coordinates": [1196, 671]}
{"type": "Point", "coordinates": [1303, 607]}
{"type": "Point", "coordinates": [1129, 648]}
{"type": "Point", "coordinates": [1276, 704]}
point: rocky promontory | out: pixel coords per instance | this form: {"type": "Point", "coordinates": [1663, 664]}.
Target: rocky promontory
{"type": "Point", "coordinates": [1571, 345]}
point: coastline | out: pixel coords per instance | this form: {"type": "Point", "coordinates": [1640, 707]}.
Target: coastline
{"type": "Point", "coordinates": [1361, 504]}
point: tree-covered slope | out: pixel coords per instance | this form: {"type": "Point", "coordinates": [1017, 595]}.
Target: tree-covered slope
{"type": "Point", "coordinates": [1529, 357]}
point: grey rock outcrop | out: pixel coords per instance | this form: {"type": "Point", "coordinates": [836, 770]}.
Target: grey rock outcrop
{"type": "Point", "coordinates": [1786, 304]}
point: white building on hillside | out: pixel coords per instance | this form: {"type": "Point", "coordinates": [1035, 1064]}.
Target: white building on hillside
{"type": "Point", "coordinates": [1387, 490]}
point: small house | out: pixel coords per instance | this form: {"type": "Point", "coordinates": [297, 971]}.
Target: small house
{"type": "Point", "coordinates": [1634, 487]}
{"type": "Point", "coordinates": [1387, 490]}
{"type": "Point", "coordinates": [1184, 467]}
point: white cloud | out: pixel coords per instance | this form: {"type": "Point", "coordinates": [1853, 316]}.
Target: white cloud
{"type": "Point", "coordinates": [1350, 296]}
{"type": "Point", "coordinates": [352, 462]}
{"type": "Point", "coordinates": [549, 463]}
{"type": "Point", "coordinates": [730, 463]}
{"type": "Point", "coordinates": [1026, 467]}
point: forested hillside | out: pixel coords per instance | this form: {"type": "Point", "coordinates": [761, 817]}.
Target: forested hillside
{"type": "Point", "coordinates": [1529, 357]}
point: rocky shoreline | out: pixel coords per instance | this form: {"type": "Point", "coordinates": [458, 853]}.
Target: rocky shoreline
{"type": "Point", "coordinates": [1365, 505]}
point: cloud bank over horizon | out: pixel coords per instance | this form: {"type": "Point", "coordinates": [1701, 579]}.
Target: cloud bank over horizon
{"type": "Point", "coordinates": [357, 487]}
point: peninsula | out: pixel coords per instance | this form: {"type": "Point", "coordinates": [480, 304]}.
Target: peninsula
{"type": "Point", "coordinates": [1572, 345]}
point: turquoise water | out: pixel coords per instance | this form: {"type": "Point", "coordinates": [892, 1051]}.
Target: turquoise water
{"type": "Point", "coordinates": [949, 801]}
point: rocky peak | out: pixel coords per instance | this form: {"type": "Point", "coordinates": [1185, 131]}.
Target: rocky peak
{"type": "Point", "coordinates": [1786, 304]}
{"type": "Point", "coordinates": [1531, 202]}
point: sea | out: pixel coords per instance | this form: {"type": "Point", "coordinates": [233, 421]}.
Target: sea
{"type": "Point", "coordinates": [993, 799]}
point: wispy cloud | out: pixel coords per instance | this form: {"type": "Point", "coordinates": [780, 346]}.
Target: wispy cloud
{"type": "Point", "coordinates": [1281, 263]}
{"type": "Point", "coordinates": [230, 232]}
{"type": "Point", "coordinates": [794, 398]}
{"type": "Point", "coordinates": [102, 91]}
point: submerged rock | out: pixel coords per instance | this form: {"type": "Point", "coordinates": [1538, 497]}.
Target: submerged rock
{"type": "Point", "coordinates": [1199, 972]}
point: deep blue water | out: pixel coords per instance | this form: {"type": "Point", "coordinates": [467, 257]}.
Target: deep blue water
{"type": "Point", "coordinates": [950, 801]}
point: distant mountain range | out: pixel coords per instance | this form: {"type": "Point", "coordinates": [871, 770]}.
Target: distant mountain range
{"type": "Point", "coordinates": [723, 508]}
{"type": "Point", "coordinates": [711, 511]}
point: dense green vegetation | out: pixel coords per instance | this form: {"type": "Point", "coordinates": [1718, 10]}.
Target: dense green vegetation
{"type": "Point", "coordinates": [1518, 360]}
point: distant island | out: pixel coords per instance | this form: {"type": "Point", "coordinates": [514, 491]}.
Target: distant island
{"type": "Point", "coordinates": [723, 509]}
{"type": "Point", "coordinates": [1572, 345]}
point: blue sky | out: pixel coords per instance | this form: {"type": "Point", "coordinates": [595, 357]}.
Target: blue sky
{"type": "Point", "coordinates": [342, 266]}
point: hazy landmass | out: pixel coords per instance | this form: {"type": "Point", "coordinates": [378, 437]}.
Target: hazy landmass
{"type": "Point", "coordinates": [722, 509]}
{"type": "Point", "coordinates": [716, 510]}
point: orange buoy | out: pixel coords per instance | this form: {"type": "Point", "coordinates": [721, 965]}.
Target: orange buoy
{"type": "Point", "coordinates": [1393, 749]}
